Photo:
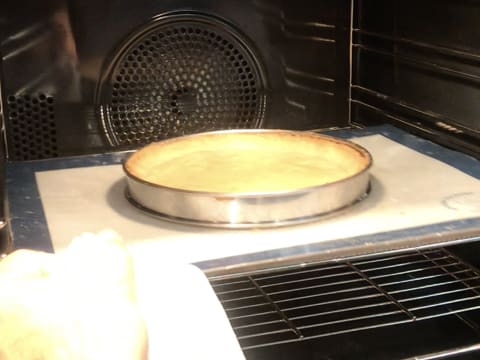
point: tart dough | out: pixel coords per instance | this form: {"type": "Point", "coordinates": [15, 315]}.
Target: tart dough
{"type": "Point", "coordinates": [247, 161]}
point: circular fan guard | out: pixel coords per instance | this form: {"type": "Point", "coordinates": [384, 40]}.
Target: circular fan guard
{"type": "Point", "coordinates": [181, 74]}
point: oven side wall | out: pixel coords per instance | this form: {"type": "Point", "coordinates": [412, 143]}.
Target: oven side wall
{"type": "Point", "coordinates": [5, 234]}
{"type": "Point", "coordinates": [417, 65]}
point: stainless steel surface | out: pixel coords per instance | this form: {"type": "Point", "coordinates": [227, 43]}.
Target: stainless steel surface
{"type": "Point", "coordinates": [448, 353]}
{"type": "Point", "coordinates": [34, 118]}
{"type": "Point", "coordinates": [5, 235]}
{"type": "Point", "coordinates": [6, 243]}
{"type": "Point", "coordinates": [354, 248]}
{"type": "Point", "coordinates": [320, 300]}
{"type": "Point", "coordinates": [182, 73]}
{"type": "Point", "coordinates": [250, 210]}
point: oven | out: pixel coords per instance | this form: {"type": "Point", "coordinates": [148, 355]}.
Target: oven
{"type": "Point", "coordinates": [85, 83]}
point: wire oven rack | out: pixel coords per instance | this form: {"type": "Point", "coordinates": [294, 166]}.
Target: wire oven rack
{"type": "Point", "coordinates": [319, 300]}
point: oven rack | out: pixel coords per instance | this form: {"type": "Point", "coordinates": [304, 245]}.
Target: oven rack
{"type": "Point", "coordinates": [319, 300]}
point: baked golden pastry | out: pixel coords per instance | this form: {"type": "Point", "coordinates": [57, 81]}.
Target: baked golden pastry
{"type": "Point", "coordinates": [247, 161]}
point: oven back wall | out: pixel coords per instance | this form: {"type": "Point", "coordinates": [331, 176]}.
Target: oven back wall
{"type": "Point", "coordinates": [417, 64]}
{"type": "Point", "coordinates": [60, 79]}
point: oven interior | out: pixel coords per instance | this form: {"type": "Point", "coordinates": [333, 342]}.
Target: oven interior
{"type": "Point", "coordinates": [91, 77]}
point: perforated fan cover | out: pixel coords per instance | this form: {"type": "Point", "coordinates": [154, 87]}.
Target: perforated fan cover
{"type": "Point", "coordinates": [181, 74]}
{"type": "Point", "coordinates": [31, 127]}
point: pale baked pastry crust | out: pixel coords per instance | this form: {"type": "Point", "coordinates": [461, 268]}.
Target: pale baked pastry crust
{"type": "Point", "coordinates": [247, 161]}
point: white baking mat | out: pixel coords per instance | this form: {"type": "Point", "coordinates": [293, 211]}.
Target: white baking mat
{"type": "Point", "coordinates": [408, 189]}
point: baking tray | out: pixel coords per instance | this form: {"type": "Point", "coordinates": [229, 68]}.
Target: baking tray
{"type": "Point", "coordinates": [251, 209]}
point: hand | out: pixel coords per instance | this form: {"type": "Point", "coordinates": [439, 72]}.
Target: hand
{"type": "Point", "coordinates": [79, 304]}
